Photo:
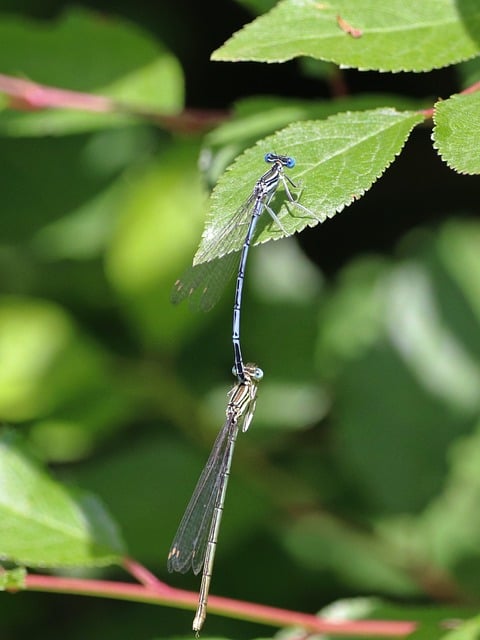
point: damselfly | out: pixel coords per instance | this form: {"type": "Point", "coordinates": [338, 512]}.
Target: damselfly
{"type": "Point", "coordinates": [206, 279]}
{"type": "Point", "coordinates": [195, 542]}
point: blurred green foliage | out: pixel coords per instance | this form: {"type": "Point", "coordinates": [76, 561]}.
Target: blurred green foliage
{"type": "Point", "coordinates": [361, 472]}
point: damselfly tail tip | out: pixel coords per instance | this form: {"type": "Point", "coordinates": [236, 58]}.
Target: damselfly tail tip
{"type": "Point", "coordinates": [198, 624]}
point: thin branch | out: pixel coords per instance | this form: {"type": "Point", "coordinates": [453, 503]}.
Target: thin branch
{"type": "Point", "coordinates": [472, 88]}
{"type": "Point", "coordinates": [30, 96]}
{"type": "Point", "coordinates": [143, 575]}
{"type": "Point", "coordinates": [157, 592]}
{"type": "Point", "coordinates": [428, 113]}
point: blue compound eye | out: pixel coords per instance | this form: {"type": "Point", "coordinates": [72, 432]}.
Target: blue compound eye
{"type": "Point", "coordinates": [290, 163]}
{"type": "Point", "coordinates": [270, 157]}
{"type": "Point", "coordinates": [258, 375]}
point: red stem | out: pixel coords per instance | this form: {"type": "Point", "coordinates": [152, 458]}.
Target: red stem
{"type": "Point", "coordinates": [143, 575]}
{"type": "Point", "coordinates": [157, 592]}
{"type": "Point", "coordinates": [30, 96]}
{"type": "Point", "coordinates": [27, 95]}
{"type": "Point", "coordinates": [472, 88]}
{"type": "Point", "coordinates": [428, 113]}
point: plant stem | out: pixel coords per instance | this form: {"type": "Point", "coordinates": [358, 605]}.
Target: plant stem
{"type": "Point", "coordinates": [154, 591]}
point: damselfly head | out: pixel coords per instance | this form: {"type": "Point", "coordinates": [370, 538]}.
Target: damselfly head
{"type": "Point", "coordinates": [252, 370]}
{"type": "Point", "coordinates": [286, 161]}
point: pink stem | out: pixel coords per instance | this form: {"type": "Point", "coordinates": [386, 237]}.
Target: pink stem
{"type": "Point", "coordinates": [143, 575]}
{"type": "Point", "coordinates": [428, 113]}
{"type": "Point", "coordinates": [30, 96]}
{"type": "Point", "coordinates": [158, 592]}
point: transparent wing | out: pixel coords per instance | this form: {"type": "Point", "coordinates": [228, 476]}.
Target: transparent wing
{"type": "Point", "coordinates": [190, 543]}
{"type": "Point", "coordinates": [220, 240]}
{"type": "Point", "coordinates": [204, 283]}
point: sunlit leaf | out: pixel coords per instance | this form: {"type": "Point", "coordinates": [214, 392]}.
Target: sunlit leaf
{"type": "Point", "coordinates": [158, 225]}
{"type": "Point", "coordinates": [401, 35]}
{"type": "Point", "coordinates": [457, 132]}
{"type": "Point", "coordinates": [12, 579]}
{"type": "Point", "coordinates": [337, 161]}
{"type": "Point", "coordinates": [469, 630]}
{"type": "Point", "coordinates": [44, 524]}
{"type": "Point", "coordinates": [51, 373]}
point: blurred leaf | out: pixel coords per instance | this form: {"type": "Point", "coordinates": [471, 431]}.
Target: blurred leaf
{"type": "Point", "coordinates": [35, 335]}
{"type": "Point", "coordinates": [456, 133]}
{"type": "Point", "coordinates": [431, 620]}
{"type": "Point", "coordinates": [157, 476]}
{"type": "Point", "coordinates": [384, 424]}
{"type": "Point", "coordinates": [447, 531]}
{"type": "Point", "coordinates": [158, 226]}
{"type": "Point", "coordinates": [396, 400]}
{"type": "Point", "coordinates": [46, 179]}
{"type": "Point", "coordinates": [337, 160]}
{"type": "Point", "coordinates": [469, 630]}
{"type": "Point", "coordinates": [52, 373]}
{"type": "Point", "coordinates": [404, 36]}
{"type": "Point", "coordinates": [366, 608]}
{"type": "Point", "coordinates": [458, 247]}
{"type": "Point", "coordinates": [353, 557]}
{"type": "Point", "coordinates": [421, 334]}
{"type": "Point", "coordinates": [12, 579]}
{"type": "Point", "coordinates": [43, 523]}
{"type": "Point", "coordinates": [117, 61]}
{"type": "Point", "coordinates": [351, 316]}
{"type": "Point", "coordinates": [83, 233]}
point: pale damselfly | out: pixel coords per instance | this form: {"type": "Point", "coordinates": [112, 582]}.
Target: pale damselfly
{"type": "Point", "coordinates": [195, 542]}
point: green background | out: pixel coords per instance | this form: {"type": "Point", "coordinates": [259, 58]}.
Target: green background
{"type": "Point", "coordinates": [360, 475]}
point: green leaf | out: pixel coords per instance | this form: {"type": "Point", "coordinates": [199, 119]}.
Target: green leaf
{"type": "Point", "coordinates": [84, 168]}
{"type": "Point", "coordinates": [44, 524]}
{"type": "Point", "coordinates": [116, 60]}
{"type": "Point", "coordinates": [164, 201]}
{"type": "Point", "coordinates": [258, 116]}
{"type": "Point", "coordinates": [469, 630]}
{"type": "Point", "coordinates": [400, 35]}
{"type": "Point", "coordinates": [337, 161]}
{"type": "Point", "coordinates": [457, 132]}
{"type": "Point", "coordinates": [13, 579]}
{"type": "Point", "coordinates": [459, 247]}
{"type": "Point", "coordinates": [54, 374]}
{"type": "Point", "coordinates": [323, 543]}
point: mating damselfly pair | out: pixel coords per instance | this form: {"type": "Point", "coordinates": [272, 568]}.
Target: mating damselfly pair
{"type": "Point", "coordinates": [195, 542]}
